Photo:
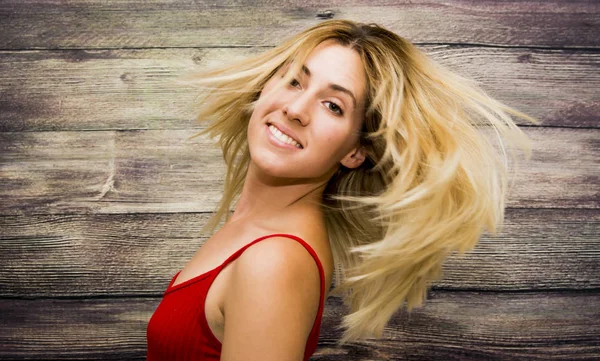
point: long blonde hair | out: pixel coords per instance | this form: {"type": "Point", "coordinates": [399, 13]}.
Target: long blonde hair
{"type": "Point", "coordinates": [433, 180]}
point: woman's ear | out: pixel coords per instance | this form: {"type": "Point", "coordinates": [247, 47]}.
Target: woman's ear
{"type": "Point", "coordinates": [355, 157]}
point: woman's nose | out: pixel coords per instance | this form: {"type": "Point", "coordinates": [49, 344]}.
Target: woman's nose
{"type": "Point", "coordinates": [298, 108]}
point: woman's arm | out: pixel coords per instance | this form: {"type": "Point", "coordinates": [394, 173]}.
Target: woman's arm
{"type": "Point", "coordinates": [272, 302]}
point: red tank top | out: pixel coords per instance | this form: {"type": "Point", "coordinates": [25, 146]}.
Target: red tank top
{"type": "Point", "coordinates": [178, 329]}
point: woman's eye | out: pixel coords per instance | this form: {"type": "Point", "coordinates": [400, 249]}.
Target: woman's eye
{"type": "Point", "coordinates": [294, 83]}
{"type": "Point", "coordinates": [335, 108]}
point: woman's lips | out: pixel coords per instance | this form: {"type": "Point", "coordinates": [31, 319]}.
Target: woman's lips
{"type": "Point", "coordinates": [278, 142]}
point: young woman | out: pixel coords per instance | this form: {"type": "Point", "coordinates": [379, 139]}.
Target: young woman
{"type": "Point", "coordinates": [347, 146]}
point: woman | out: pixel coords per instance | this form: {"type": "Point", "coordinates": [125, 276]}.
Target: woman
{"type": "Point", "coordinates": [347, 146]}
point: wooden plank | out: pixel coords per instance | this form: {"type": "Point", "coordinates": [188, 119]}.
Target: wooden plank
{"type": "Point", "coordinates": [101, 255]}
{"type": "Point", "coordinates": [538, 249]}
{"type": "Point", "coordinates": [141, 24]}
{"type": "Point", "coordinates": [482, 326]}
{"type": "Point", "coordinates": [105, 171]}
{"type": "Point", "coordinates": [137, 89]}
{"type": "Point", "coordinates": [451, 326]}
{"type": "Point", "coordinates": [162, 171]}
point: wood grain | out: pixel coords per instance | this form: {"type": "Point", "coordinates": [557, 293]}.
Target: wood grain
{"type": "Point", "coordinates": [451, 326]}
{"type": "Point", "coordinates": [102, 194]}
{"type": "Point", "coordinates": [135, 254]}
{"type": "Point", "coordinates": [162, 171]}
{"type": "Point", "coordinates": [163, 23]}
{"type": "Point", "coordinates": [139, 89]}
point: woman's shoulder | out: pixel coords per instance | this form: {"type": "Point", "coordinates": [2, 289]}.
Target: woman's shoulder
{"type": "Point", "coordinates": [306, 225]}
{"type": "Point", "coordinates": [310, 227]}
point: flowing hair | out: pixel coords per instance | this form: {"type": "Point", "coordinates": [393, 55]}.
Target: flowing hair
{"type": "Point", "coordinates": [432, 182]}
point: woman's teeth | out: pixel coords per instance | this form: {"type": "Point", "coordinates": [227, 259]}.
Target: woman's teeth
{"type": "Point", "coordinates": [284, 138]}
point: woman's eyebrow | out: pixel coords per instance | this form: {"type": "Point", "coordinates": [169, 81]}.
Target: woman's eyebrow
{"type": "Point", "coordinates": [305, 70]}
{"type": "Point", "coordinates": [340, 88]}
{"type": "Point", "coordinates": [333, 86]}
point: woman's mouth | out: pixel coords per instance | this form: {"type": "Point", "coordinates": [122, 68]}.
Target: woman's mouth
{"type": "Point", "coordinates": [280, 139]}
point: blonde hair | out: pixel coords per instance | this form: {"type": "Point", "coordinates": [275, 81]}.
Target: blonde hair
{"type": "Point", "coordinates": [432, 181]}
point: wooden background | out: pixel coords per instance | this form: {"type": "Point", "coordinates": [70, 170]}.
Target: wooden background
{"type": "Point", "coordinates": [102, 194]}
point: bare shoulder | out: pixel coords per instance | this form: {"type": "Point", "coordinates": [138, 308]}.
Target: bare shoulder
{"type": "Point", "coordinates": [309, 225]}
{"type": "Point", "coordinates": [271, 302]}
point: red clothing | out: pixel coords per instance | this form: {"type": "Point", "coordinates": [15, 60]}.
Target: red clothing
{"type": "Point", "coordinates": [178, 329]}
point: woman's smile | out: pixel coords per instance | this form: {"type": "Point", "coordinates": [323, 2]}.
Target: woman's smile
{"type": "Point", "coordinates": [281, 140]}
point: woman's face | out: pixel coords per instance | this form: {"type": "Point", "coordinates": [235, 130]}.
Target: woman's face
{"type": "Point", "coordinates": [322, 109]}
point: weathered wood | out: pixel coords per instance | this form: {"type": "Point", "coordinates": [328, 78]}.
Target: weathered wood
{"type": "Point", "coordinates": [135, 254]}
{"type": "Point", "coordinates": [482, 326]}
{"type": "Point", "coordinates": [163, 171]}
{"type": "Point", "coordinates": [451, 326]}
{"type": "Point", "coordinates": [103, 197]}
{"type": "Point", "coordinates": [104, 171]}
{"type": "Point", "coordinates": [134, 24]}
{"type": "Point", "coordinates": [137, 89]}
